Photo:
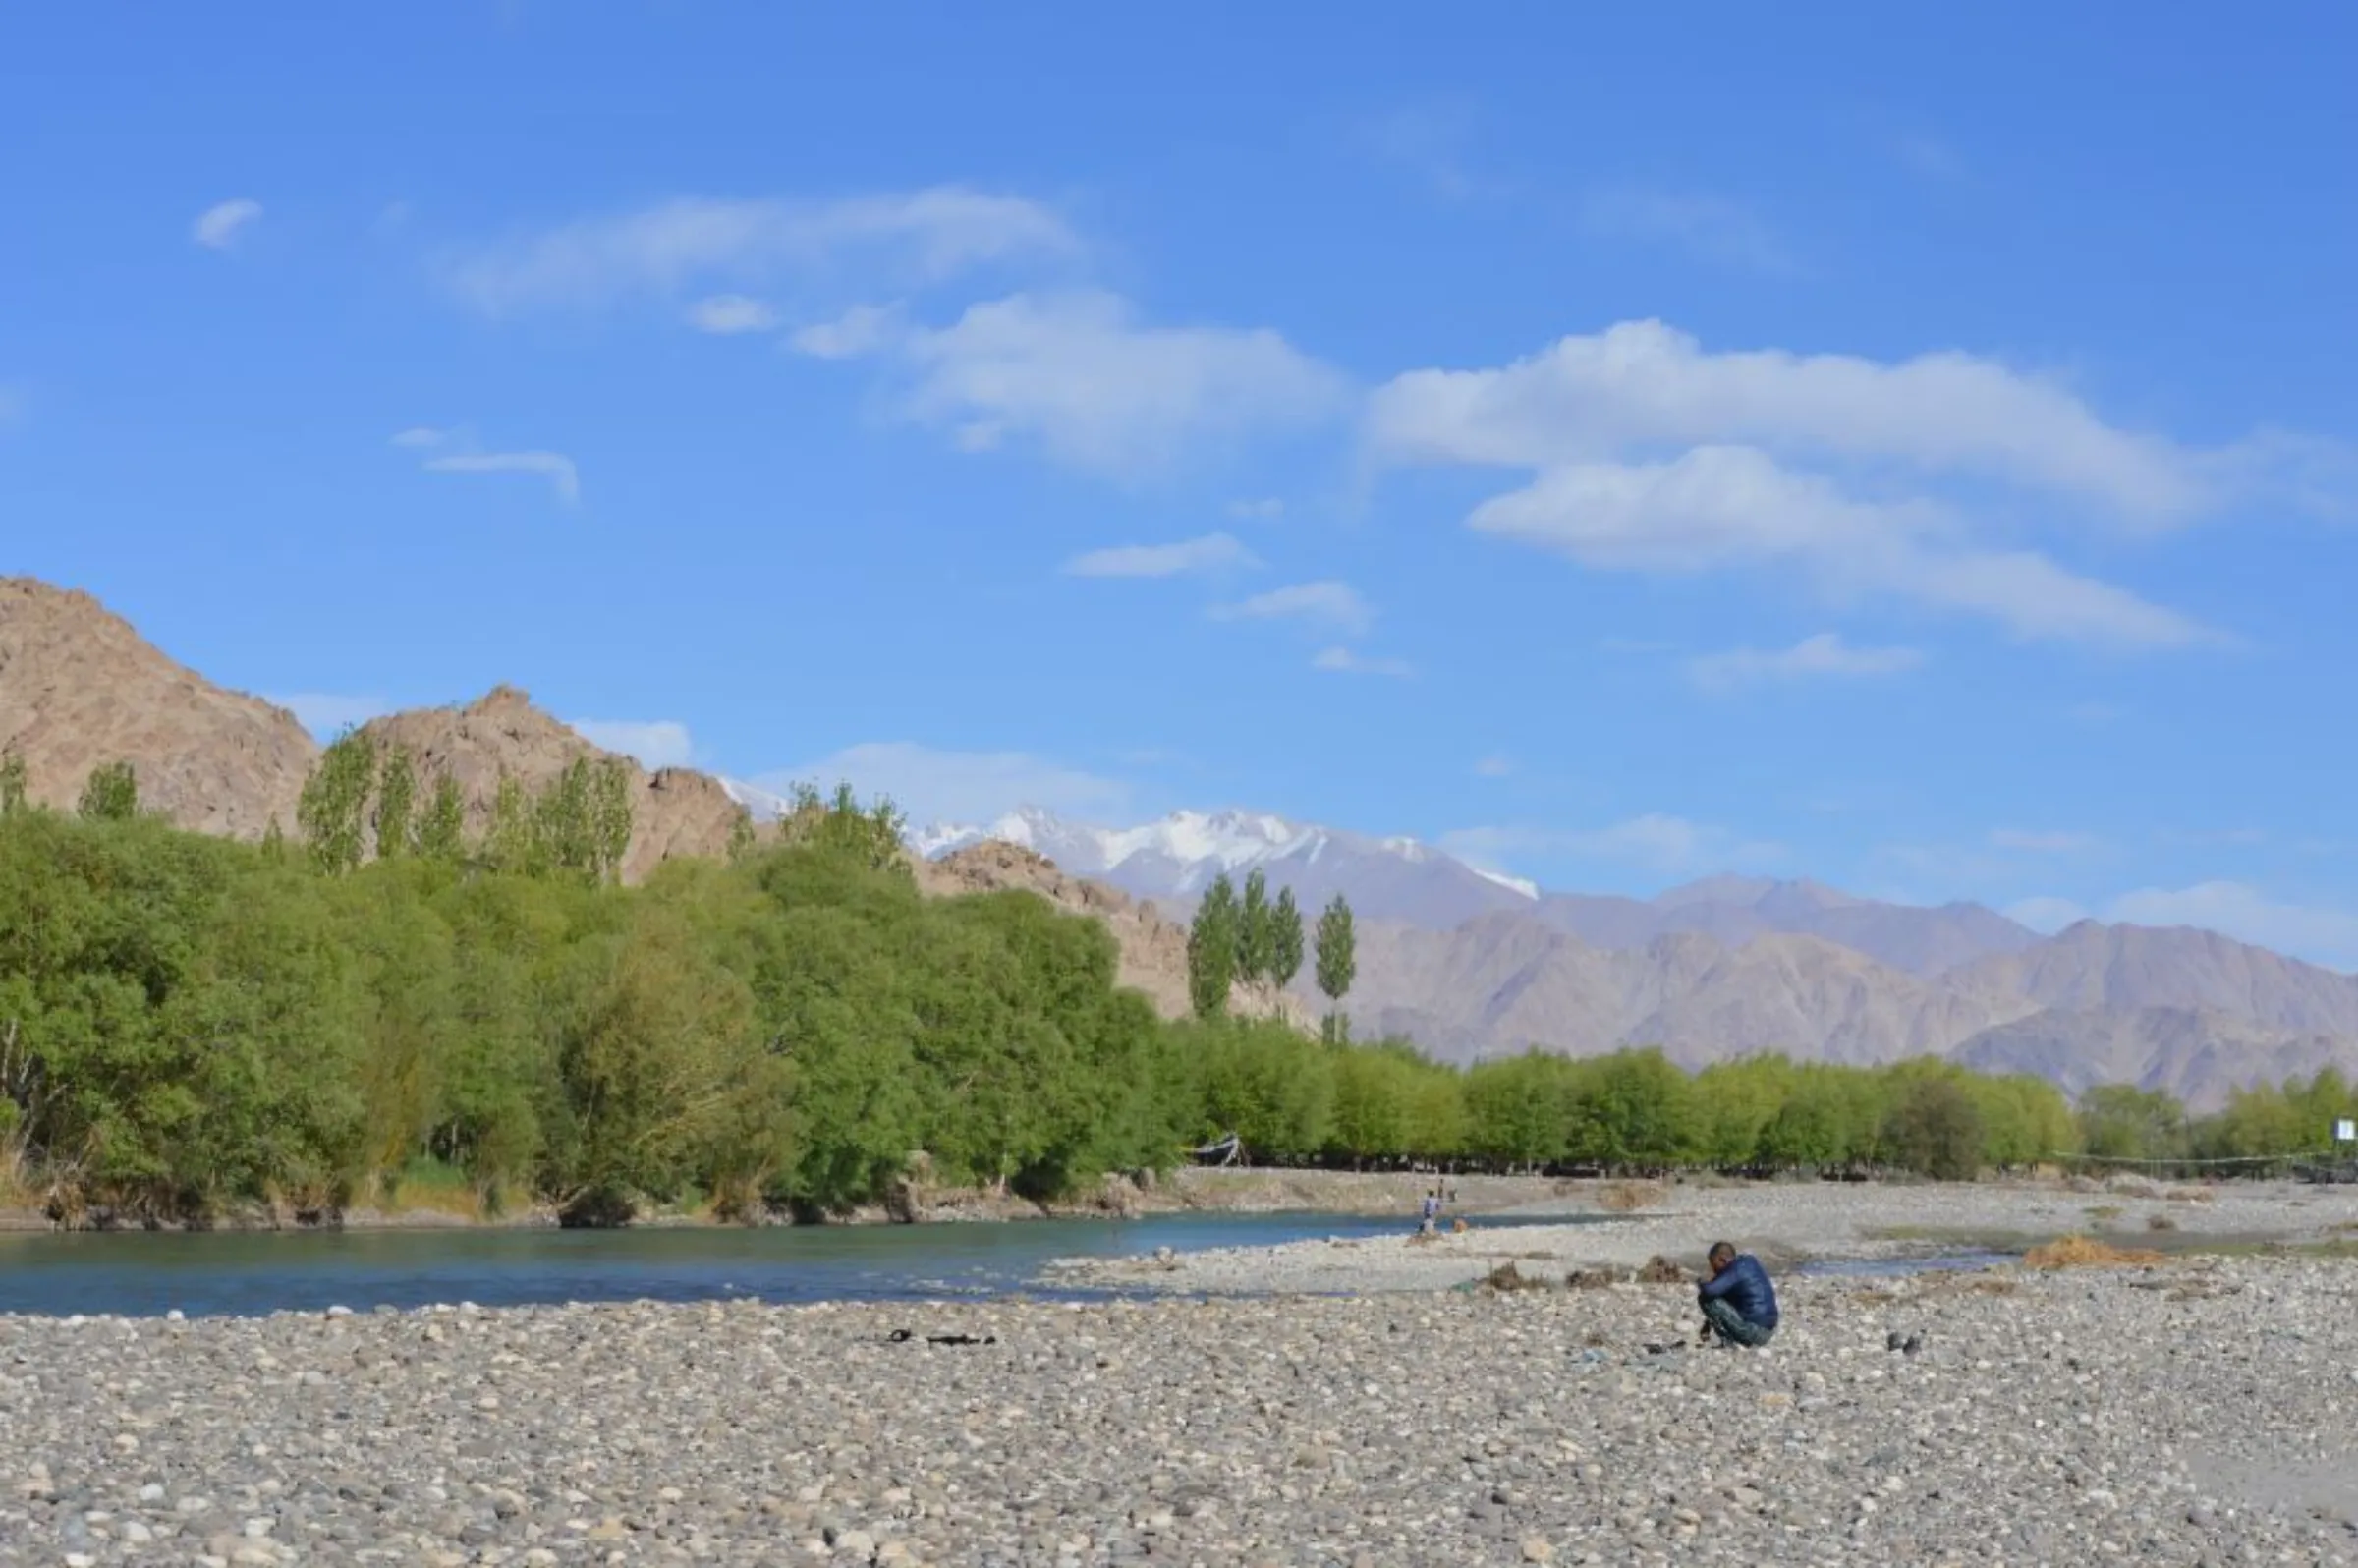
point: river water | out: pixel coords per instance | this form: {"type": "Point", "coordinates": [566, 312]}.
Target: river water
{"type": "Point", "coordinates": [244, 1273]}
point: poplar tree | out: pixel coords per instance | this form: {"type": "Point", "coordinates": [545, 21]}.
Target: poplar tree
{"type": "Point", "coordinates": [332, 813]}
{"type": "Point", "coordinates": [1337, 966]}
{"type": "Point", "coordinates": [396, 798]}
{"type": "Point", "coordinates": [1211, 948]}
{"type": "Point", "coordinates": [1256, 933]}
{"type": "Point", "coordinates": [1285, 956]}
{"type": "Point", "coordinates": [13, 782]}
{"type": "Point", "coordinates": [442, 829]}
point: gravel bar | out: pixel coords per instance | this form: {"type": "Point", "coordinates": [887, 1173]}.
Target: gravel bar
{"type": "Point", "coordinates": [2192, 1413]}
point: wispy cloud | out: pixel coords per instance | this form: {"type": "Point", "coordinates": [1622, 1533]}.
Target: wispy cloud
{"type": "Point", "coordinates": [2042, 843]}
{"type": "Point", "coordinates": [1327, 603]}
{"type": "Point", "coordinates": [916, 237]}
{"type": "Point", "coordinates": [217, 227]}
{"type": "Point", "coordinates": [1081, 376]}
{"type": "Point", "coordinates": [1434, 144]}
{"type": "Point", "coordinates": [556, 466]}
{"type": "Point", "coordinates": [1823, 656]}
{"type": "Point", "coordinates": [654, 742]}
{"type": "Point", "coordinates": [731, 314]}
{"type": "Point", "coordinates": [328, 714]}
{"type": "Point", "coordinates": [1344, 661]}
{"type": "Point", "coordinates": [1263, 510]}
{"type": "Point", "coordinates": [458, 454]}
{"type": "Point", "coordinates": [2318, 933]}
{"type": "Point", "coordinates": [1712, 228]}
{"type": "Point", "coordinates": [936, 786]}
{"type": "Point", "coordinates": [1656, 841]}
{"type": "Point", "coordinates": [1211, 553]}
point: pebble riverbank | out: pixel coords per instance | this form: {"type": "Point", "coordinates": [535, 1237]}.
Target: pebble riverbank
{"type": "Point", "coordinates": [1787, 1223]}
{"type": "Point", "coordinates": [2194, 1412]}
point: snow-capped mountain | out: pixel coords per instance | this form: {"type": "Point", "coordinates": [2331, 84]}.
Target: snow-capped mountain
{"type": "Point", "coordinates": [1174, 860]}
{"type": "Point", "coordinates": [763, 805]}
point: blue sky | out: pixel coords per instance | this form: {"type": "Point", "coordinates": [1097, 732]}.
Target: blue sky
{"type": "Point", "coordinates": [1908, 450]}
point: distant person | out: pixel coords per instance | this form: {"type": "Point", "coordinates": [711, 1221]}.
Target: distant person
{"type": "Point", "coordinates": [1433, 1213]}
{"type": "Point", "coordinates": [1739, 1304]}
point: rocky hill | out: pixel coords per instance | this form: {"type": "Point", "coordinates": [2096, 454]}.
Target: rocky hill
{"type": "Point", "coordinates": [79, 689]}
{"type": "Point", "coordinates": [674, 810]}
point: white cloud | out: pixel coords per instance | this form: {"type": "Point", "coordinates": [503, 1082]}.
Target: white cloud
{"type": "Point", "coordinates": [863, 330]}
{"type": "Point", "coordinates": [328, 714]}
{"type": "Point", "coordinates": [1643, 384]}
{"type": "Point", "coordinates": [1710, 227]}
{"type": "Point", "coordinates": [563, 477]}
{"type": "Point", "coordinates": [1656, 841]}
{"type": "Point", "coordinates": [420, 437]}
{"type": "Point", "coordinates": [1211, 553]}
{"type": "Point", "coordinates": [2042, 843]}
{"type": "Point", "coordinates": [1717, 507]}
{"type": "Point", "coordinates": [1266, 509]}
{"type": "Point", "coordinates": [217, 227]}
{"type": "Point", "coordinates": [1078, 374]}
{"type": "Point", "coordinates": [919, 236]}
{"type": "Point", "coordinates": [1343, 661]}
{"type": "Point", "coordinates": [1825, 655]}
{"type": "Point", "coordinates": [1327, 603]}
{"type": "Point", "coordinates": [655, 743]}
{"type": "Point", "coordinates": [938, 786]}
{"type": "Point", "coordinates": [1493, 767]}
{"type": "Point", "coordinates": [2045, 916]}
{"type": "Point", "coordinates": [728, 314]}
{"type": "Point", "coordinates": [2232, 909]}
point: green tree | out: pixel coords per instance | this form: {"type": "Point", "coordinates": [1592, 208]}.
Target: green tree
{"type": "Point", "coordinates": [610, 818]}
{"type": "Point", "coordinates": [1633, 1107]}
{"type": "Point", "coordinates": [396, 799]}
{"type": "Point", "coordinates": [512, 842]}
{"type": "Point", "coordinates": [2121, 1122]}
{"type": "Point", "coordinates": [441, 833]}
{"type": "Point", "coordinates": [13, 783]}
{"type": "Point", "coordinates": [1213, 940]}
{"type": "Point", "coordinates": [111, 794]}
{"type": "Point", "coordinates": [1285, 946]}
{"type": "Point", "coordinates": [1338, 965]}
{"type": "Point", "coordinates": [1934, 1127]}
{"type": "Point", "coordinates": [332, 813]}
{"type": "Point", "coordinates": [1255, 933]}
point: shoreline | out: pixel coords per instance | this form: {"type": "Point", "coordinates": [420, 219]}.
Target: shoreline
{"type": "Point", "coordinates": [1235, 1190]}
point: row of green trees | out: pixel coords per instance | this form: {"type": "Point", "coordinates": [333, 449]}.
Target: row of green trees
{"type": "Point", "coordinates": [188, 1023]}
{"type": "Point", "coordinates": [1257, 943]}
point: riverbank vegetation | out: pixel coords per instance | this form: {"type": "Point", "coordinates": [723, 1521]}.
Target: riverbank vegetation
{"type": "Point", "coordinates": [188, 1025]}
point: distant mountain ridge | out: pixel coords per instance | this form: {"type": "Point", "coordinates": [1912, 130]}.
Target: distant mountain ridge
{"type": "Point", "coordinates": [1468, 968]}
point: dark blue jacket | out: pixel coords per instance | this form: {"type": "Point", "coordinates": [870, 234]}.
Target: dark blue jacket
{"type": "Point", "coordinates": [1745, 1285]}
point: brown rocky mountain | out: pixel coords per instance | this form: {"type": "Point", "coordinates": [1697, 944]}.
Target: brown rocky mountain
{"type": "Point", "coordinates": [1507, 982]}
{"type": "Point", "coordinates": [1735, 910]}
{"type": "Point", "coordinates": [80, 690]}
{"type": "Point", "coordinates": [2195, 1053]}
{"type": "Point", "coordinates": [2125, 967]}
{"type": "Point", "coordinates": [674, 810]}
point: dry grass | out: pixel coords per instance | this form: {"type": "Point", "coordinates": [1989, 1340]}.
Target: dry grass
{"type": "Point", "coordinates": [2104, 1214]}
{"type": "Point", "coordinates": [1593, 1279]}
{"type": "Point", "coordinates": [2191, 1195]}
{"type": "Point", "coordinates": [1507, 1278]}
{"type": "Point", "coordinates": [2082, 1252]}
{"type": "Point", "coordinates": [1661, 1271]}
{"type": "Point", "coordinates": [2160, 1222]}
{"type": "Point", "coordinates": [1625, 1197]}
